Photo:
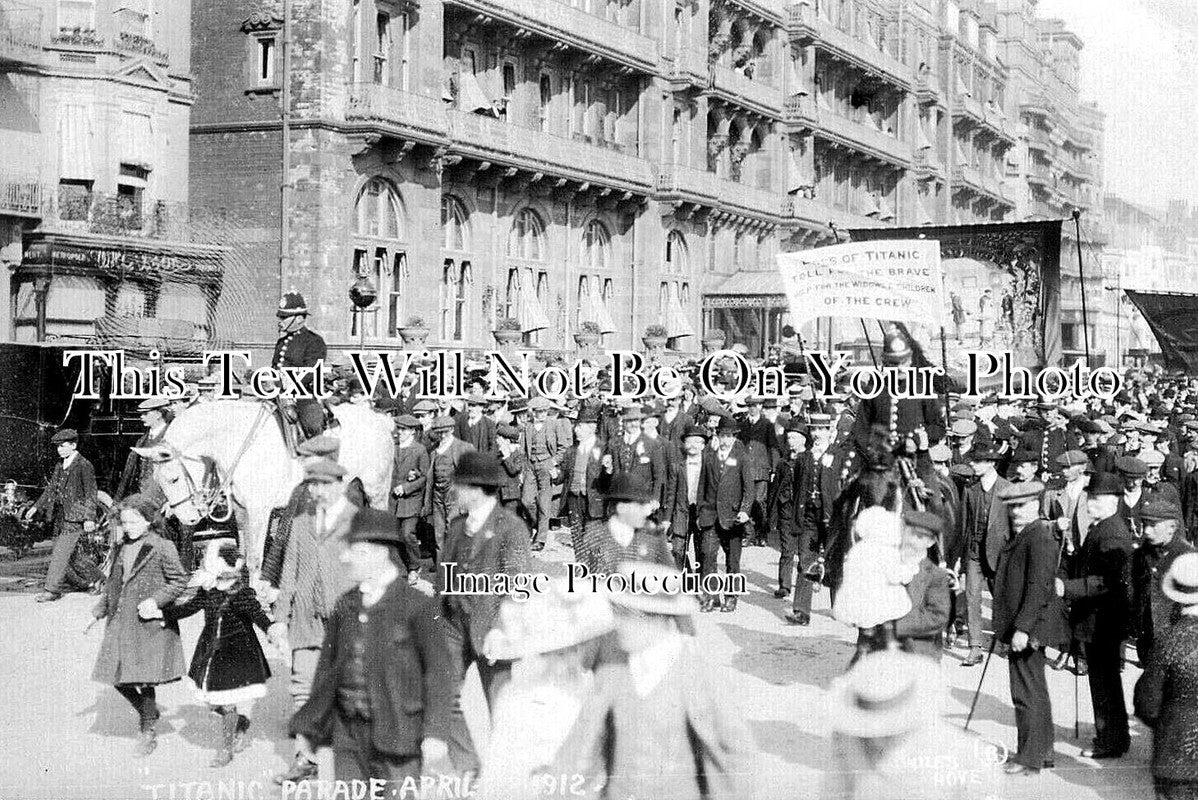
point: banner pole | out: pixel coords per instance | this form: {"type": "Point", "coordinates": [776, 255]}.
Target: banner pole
{"type": "Point", "coordinates": [869, 342]}
{"type": "Point", "coordinates": [944, 361]}
{"type": "Point", "coordinates": [1081, 275]}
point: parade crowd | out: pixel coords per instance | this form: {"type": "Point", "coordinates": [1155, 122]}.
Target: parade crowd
{"type": "Point", "coordinates": [1074, 517]}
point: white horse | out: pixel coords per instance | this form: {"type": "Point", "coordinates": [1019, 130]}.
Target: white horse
{"type": "Point", "coordinates": [222, 450]}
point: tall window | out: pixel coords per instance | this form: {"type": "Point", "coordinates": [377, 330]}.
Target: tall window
{"type": "Point", "coordinates": [356, 43]}
{"type": "Point", "coordinates": [380, 256]}
{"type": "Point", "coordinates": [455, 224]}
{"type": "Point", "coordinates": [265, 61]}
{"type": "Point", "coordinates": [405, 51]}
{"type": "Point", "coordinates": [527, 237]}
{"type": "Point", "coordinates": [456, 283]}
{"type": "Point", "coordinates": [509, 89]}
{"type": "Point", "coordinates": [596, 246]}
{"type": "Point", "coordinates": [382, 48]}
{"type": "Point", "coordinates": [595, 287]}
{"type": "Point", "coordinates": [674, 292]}
{"type": "Point", "coordinates": [546, 98]}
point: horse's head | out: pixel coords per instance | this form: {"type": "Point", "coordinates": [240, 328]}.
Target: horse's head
{"type": "Point", "coordinates": [183, 479]}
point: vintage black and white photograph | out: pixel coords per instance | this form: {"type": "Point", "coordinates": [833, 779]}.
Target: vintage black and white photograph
{"type": "Point", "coordinates": [517, 399]}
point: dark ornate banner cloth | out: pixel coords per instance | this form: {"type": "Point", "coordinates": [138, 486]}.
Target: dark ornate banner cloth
{"type": "Point", "coordinates": [1173, 319]}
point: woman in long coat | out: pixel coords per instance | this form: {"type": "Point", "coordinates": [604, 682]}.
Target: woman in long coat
{"type": "Point", "coordinates": [1166, 697]}
{"type": "Point", "coordinates": [228, 666]}
{"type": "Point", "coordinates": [141, 649]}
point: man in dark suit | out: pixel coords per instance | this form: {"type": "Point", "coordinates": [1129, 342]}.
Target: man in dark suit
{"type": "Point", "coordinates": [298, 346]}
{"type": "Point", "coordinates": [138, 475]}
{"type": "Point", "coordinates": [634, 454]}
{"type": "Point", "coordinates": [984, 528]}
{"type": "Point", "coordinates": [544, 449]}
{"type": "Point", "coordinates": [474, 428]}
{"type": "Point", "coordinates": [1099, 608]}
{"type": "Point", "coordinates": [674, 422]}
{"type": "Point", "coordinates": [900, 417]}
{"type": "Point", "coordinates": [410, 474]}
{"type": "Point", "coordinates": [1152, 611]}
{"type": "Point", "coordinates": [725, 507]}
{"type": "Point", "coordinates": [70, 504]}
{"type": "Point", "coordinates": [582, 474]}
{"type": "Point", "coordinates": [487, 540]}
{"type": "Point", "coordinates": [789, 492]}
{"type": "Point", "coordinates": [689, 481]}
{"type": "Point", "coordinates": [1028, 617]}
{"type": "Point", "coordinates": [758, 435]}
{"type": "Point", "coordinates": [385, 685]}
{"type": "Point", "coordinates": [445, 453]}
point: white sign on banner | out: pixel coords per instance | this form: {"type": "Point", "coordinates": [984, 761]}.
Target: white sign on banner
{"type": "Point", "coordinates": [883, 279]}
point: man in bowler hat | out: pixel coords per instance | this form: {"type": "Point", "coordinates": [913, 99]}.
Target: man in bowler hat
{"type": "Point", "coordinates": [383, 693]}
{"type": "Point", "coordinates": [70, 504]}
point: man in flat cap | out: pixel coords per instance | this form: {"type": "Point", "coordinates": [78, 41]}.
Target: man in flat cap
{"type": "Point", "coordinates": [138, 475]}
{"type": "Point", "coordinates": [1099, 597]}
{"type": "Point", "coordinates": [633, 453]}
{"type": "Point", "coordinates": [445, 453]}
{"type": "Point", "coordinates": [299, 346]}
{"type": "Point", "coordinates": [545, 447]}
{"type": "Point", "coordinates": [311, 579]}
{"type": "Point", "coordinates": [1163, 542]}
{"type": "Point", "coordinates": [1132, 471]}
{"type": "Point", "coordinates": [473, 427]}
{"type": "Point", "coordinates": [410, 475]}
{"type": "Point", "coordinates": [69, 502]}
{"type": "Point", "coordinates": [384, 690]}
{"type": "Point", "coordinates": [1028, 616]}
{"type": "Point", "coordinates": [582, 474]}
{"type": "Point", "coordinates": [921, 630]}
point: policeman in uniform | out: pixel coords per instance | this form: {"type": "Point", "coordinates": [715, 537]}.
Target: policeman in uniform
{"type": "Point", "coordinates": [901, 417]}
{"type": "Point", "coordinates": [299, 346]}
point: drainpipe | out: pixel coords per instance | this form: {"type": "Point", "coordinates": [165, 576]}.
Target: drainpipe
{"type": "Point", "coordinates": [285, 134]}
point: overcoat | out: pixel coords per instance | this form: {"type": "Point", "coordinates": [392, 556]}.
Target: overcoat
{"type": "Point", "coordinates": [227, 654]}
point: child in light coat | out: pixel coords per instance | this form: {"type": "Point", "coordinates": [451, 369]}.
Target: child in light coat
{"type": "Point", "coordinates": [873, 593]}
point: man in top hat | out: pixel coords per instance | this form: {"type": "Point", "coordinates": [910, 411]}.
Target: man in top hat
{"type": "Point", "coordinates": [903, 417]}
{"type": "Point", "coordinates": [311, 578]}
{"type": "Point", "coordinates": [545, 446]}
{"type": "Point", "coordinates": [446, 452]}
{"type": "Point", "coordinates": [410, 474]}
{"type": "Point", "coordinates": [384, 689]}
{"type": "Point", "coordinates": [921, 630]}
{"type": "Point", "coordinates": [299, 346]}
{"type": "Point", "coordinates": [758, 435]}
{"type": "Point", "coordinates": [487, 539]}
{"type": "Point", "coordinates": [474, 428]}
{"type": "Point", "coordinates": [69, 502]}
{"type": "Point", "coordinates": [582, 474]}
{"type": "Point", "coordinates": [661, 724]}
{"type": "Point", "coordinates": [1163, 542]}
{"type": "Point", "coordinates": [690, 477]}
{"type": "Point", "coordinates": [724, 508]}
{"type": "Point", "coordinates": [1099, 597]}
{"type": "Point", "coordinates": [1028, 616]}
{"type": "Point", "coordinates": [983, 529]}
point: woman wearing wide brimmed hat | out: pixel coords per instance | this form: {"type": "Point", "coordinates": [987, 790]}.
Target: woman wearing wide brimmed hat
{"type": "Point", "coordinates": [550, 637]}
{"type": "Point", "coordinates": [1166, 697]}
{"type": "Point", "coordinates": [660, 725]}
{"type": "Point", "coordinates": [889, 740]}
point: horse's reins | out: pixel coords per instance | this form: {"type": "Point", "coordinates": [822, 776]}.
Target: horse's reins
{"type": "Point", "coordinates": [205, 503]}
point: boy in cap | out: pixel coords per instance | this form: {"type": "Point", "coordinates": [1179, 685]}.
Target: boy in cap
{"type": "Point", "coordinates": [71, 505]}
{"type": "Point", "coordinates": [1162, 544]}
{"type": "Point", "coordinates": [384, 654]}
{"type": "Point", "coordinates": [410, 474]}
{"type": "Point", "coordinates": [1028, 617]}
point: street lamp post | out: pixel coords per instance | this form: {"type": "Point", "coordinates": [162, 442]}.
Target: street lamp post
{"type": "Point", "coordinates": [362, 294]}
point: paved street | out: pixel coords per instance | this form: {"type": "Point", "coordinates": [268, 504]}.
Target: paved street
{"type": "Point", "coordinates": [67, 737]}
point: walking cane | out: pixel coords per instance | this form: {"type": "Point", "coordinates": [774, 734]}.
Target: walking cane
{"type": "Point", "coordinates": [973, 706]}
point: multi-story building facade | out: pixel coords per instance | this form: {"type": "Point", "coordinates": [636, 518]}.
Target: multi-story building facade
{"type": "Point", "coordinates": [620, 162]}
{"type": "Point", "coordinates": [93, 186]}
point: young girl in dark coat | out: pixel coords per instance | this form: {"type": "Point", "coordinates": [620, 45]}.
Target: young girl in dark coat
{"type": "Point", "coordinates": [228, 666]}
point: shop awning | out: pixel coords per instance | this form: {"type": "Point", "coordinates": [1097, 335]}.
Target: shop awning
{"type": "Point", "coordinates": [760, 288]}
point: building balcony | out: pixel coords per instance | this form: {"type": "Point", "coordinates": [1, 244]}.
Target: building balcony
{"type": "Point", "coordinates": [688, 67]}
{"type": "Point", "coordinates": [816, 214]}
{"type": "Point", "coordinates": [406, 114]}
{"type": "Point", "coordinates": [141, 46]}
{"type": "Point", "coordinates": [691, 185]}
{"type": "Point", "coordinates": [730, 85]}
{"type": "Point", "coordinates": [864, 138]}
{"type": "Point", "coordinates": [927, 89]}
{"type": "Point", "coordinates": [1040, 139]}
{"type": "Point", "coordinates": [20, 197]}
{"type": "Point", "coordinates": [806, 27]}
{"type": "Point", "coordinates": [927, 163]}
{"type": "Point", "coordinates": [1043, 210]}
{"type": "Point", "coordinates": [765, 9]}
{"type": "Point", "coordinates": [20, 36]}
{"type": "Point", "coordinates": [1037, 104]}
{"type": "Point", "coordinates": [801, 110]}
{"type": "Point", "coordinates": [1040, 174]}
{"type": "Point", "coordinates": [1078, 169]}
{"type": "Point", "coordinates": [997, 125]}
{"type": "Point", "coordinates": [491, 140]}
{"type": "Point", "coordinates": [1083, 139]}
{"type": "Point", "coordinates": [968, 110]}
{"type": "Point", "coordinates": [560, 22]}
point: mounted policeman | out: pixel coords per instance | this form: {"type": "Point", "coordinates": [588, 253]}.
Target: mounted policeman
{"type": "Point", "coordinates": [299, 346]}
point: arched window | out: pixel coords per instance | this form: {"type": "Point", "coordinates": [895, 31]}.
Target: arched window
{"type": "Point", "coordinates": [380, 255]}
{"type": "Point", "coordinates": [676, 255]}
{"type": "Point", "coordinates": [674, 292]}
{"type": "Point", "coordinates": [527, 237]}
{"type": "Point", "coordinates": [456, 285]}
{"type": "Point", "coordinates": [455, 223]}
{"type": "Point", "coordinates": [596, 246]}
